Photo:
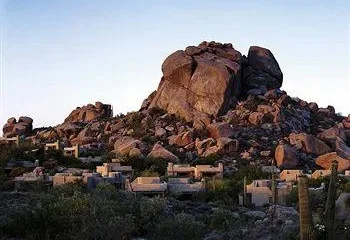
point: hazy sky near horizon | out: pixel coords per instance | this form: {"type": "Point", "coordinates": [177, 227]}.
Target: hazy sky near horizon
{"type": "Point", "coordinates": [57, 55]}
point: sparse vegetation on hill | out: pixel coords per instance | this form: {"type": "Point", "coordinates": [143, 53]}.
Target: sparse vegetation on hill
{"type": "Point", "coordinates": [213, 105]}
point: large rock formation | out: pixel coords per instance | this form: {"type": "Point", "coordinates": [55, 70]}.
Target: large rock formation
{"type": "Point", "coordinates": [205, 81]}
{"type": "Point", "coordinates": [23, 126]}
{"type": "Point", "coordinates": [309, 143]}
{"type": "Point", "coordinates": [325, 161]}
{"type": "Point", "coordinates": [286, 156]}
{"type": "Point", "coordinates": [262, 69]}
{"type": "Point", "coordinates": [90, 112]}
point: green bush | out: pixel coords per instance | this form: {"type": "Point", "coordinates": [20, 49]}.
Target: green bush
{"type": "Point", "coordinates": [181, 226]}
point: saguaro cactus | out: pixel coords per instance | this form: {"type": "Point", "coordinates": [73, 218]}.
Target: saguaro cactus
{"type": "Point", "coordinates": [331, 198]}
{"type": "Point", "coordinates": [273, 184]}
{"type": "Point", "coordinates": [306, 225]}
{"type": "Point", "coordinates": [245, 191]}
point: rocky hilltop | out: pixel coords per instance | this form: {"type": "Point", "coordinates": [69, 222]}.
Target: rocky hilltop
{"type": "Point", "coordinates": [211, 101]}
{"type": "Point", "coordinates": [206, 81]}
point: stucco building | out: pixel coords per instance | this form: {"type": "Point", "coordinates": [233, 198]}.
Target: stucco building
{"type": "Point", "coordinates": [290, 175]}
{"type": "Point", "coordinates": [198, 171]}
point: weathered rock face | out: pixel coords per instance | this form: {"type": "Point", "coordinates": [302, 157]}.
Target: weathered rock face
{"type": "Point", "coordinates": [309, 143]}
{"type": "Point", "coordinates": [68, 130]}
{"type": "Point", "coordinates": [205, 81]}
{"type": "Point", "coordinates": [222, 145]}
{"type": "Point", "coordinates": [286, 156]}
{"type": "Point", "coordinates": [13, 128]}
{"type": "Point", "coordinates": [280, 223]}
{"type": "Point", "coordinates": [255, 118]}
{"type": "Point", "coordinates": [90, 112]}
{"type": "Point", "coordinates": [262, 69]}
{"type": "Point", "coordinates": [182, 139]}
{"type": "Point", "coordinates": [325, 161]}
{"type": "Point", "coordinates": [89, 134]}
{"type": "Point", "coordinates": [342, 149]}
{"type": "Point", "coordinates": [128, 146]}
{"type": "Point", "coordinates": [158, 151]}
{"type": "Point", "coordinates": [342, 207]}
{"type": "Point", "coordinates": [218, 130]}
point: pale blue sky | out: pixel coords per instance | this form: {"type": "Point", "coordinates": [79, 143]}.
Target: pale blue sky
{"type": "Point", "coordinates": [61, 54]}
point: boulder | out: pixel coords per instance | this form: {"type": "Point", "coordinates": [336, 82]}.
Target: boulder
{"type": "Point", "coordinates": [181, 139]}
{"type": "Point", "coordinates": [313, 107]}
{"type": "Point", "coordinates": [27, 120]}
{"type": "Point", "coordinates": [200, 81]}
{"type": "Point", "coordinates": [284, 100]}
{"type": "Point", "coordinates": [325, 161]}
{"type": "Point", "coordinates": [90, 112]}
{"type": "Point", "coordinates": [255, 118]}
{"type": "Point", "coordinates": [148, 100]}
{"type": "Point", "coordinates": [135, 152]}
{"type": "Point", "coordinates": [346, 122]}
{"type": "Point", "coordinates": [286, 156]}
{"type": "Point", "coordinates": [68, 130]}
{"type": "Point", "coordinates": [158, 151]}
{"type": "Point", "coordinates": [325, 112]}
{"type": "Point", "coordinates": [48, 135]}
{"type": "Point", "coordinates": [219, 129]}
{"type": "Point", "coordinates": [331, 134]}
{"type": "Point", "coordinates": [160, 132]}
{"type": "Point", "coordinates": [203, 145]}
{"type": "Point", "coordinates": [222, 145]}
{"type": "Point", "coordinates": [227, 145]}
{"type": "Point", "coordinates": [23, 126]}
{"type": "Point", "coordinates": [342, 149]}
{"type": "Point", "coordinates": [85, 136]}
{"type": "Point", "coordinates": [126, 144]}
{"type": "Point", "coordinates": [342, 208]}
{"type": "Point", "coordinates": [263, 69]}
{"type": "Point", "coordinates": [308, 143]}
{"type": "Point", "coordinates": [280, 223]}
{"type": "Point", "coordinates": [272, 94]}
{"type": "Point", "coordinates": [11, 121]}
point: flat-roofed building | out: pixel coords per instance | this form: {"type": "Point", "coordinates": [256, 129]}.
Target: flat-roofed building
{"type": "Point", "coordinates": [72, 151]}
{"type": "Point", "coordinates": [114, 178]}
{"type": "Point", "coordinates": [320, 173]}
{"type": "Point", "coordinates": [14, 140]}
{"type": "Point", "coordinates": [198, 172]}
{"type": "Point", "coordinates": [185, 186]}
{"type": "Point", "coordinates": [63, 178]}
{"type": "Point", "coordinates": [108, 168]}
{"type": "Point", "coordinates": [181, 170]}
{"type": "Point", "coordinates": [52, 146]}
{"type": "Point", "coordinates": [260, 191]}
{"type": "Point", "coordinates": [290, 175]}
{"type": "Point", "coordinates": [147, 185]}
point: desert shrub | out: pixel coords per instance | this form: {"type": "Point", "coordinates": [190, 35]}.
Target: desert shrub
{"type": "Point", "coordinates": [149, 138]}
{"type": "Point", "coordinates": [149, 173]}
{"type": "Point", "coordinates": [224, 220]}
{"type": "Point", "coordinates": [292, 197]}
{"type": "Point", "coordinates": [252, 104]}
{"type": "Point", "coordinates": [18, 171]}
{"type": "Point", "coordinates": [140, 164]}
{"type": "Point", "coordinates": [156, 111]}
{"type": "Point", "coordinates": [268, 118]}
{"type": "Point", "coordinates": [181, 226]}
{"type": "Point", "coordinates": [209, 160]}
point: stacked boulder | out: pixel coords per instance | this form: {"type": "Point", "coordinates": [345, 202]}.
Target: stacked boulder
{"type": "Point", "coordinates": [205, 81]}
{"type": "Point", "coordinates": [23, 126]}
{"type": "Point", "coordinates": [90, 113]}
